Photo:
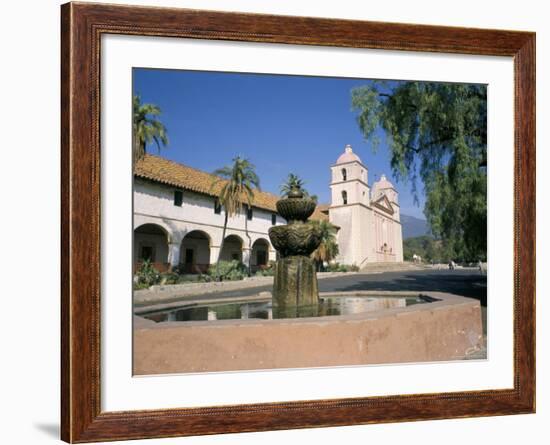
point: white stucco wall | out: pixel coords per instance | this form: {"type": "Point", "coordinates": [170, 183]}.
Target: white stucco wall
{"type": "Point", "coordinates": [154, 204]}
{"type": "Point", "coordinates": [158, 243]}
{"type": "Point", "coordinates": [355, 236]}
{"type": "Point", "coordinates": [360, 236]}
{"type": "Point", "coordinates": [200, 247]}
{"type": "Point", "coordinates": [355, 185]}
{"type": "Point", "coordinates": [342, 217]}
{"type": "Point", "coordinates": [354, 170]}
{"type": "Point", "coordinates": [363, 227]}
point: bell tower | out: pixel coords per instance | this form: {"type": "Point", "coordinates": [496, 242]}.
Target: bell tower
{"type": "Point", "coordinates": [349, 180]}
{"type": "Point", "coordinates": [349, 207]}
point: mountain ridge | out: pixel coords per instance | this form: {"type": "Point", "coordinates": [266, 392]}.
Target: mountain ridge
{"type": "Point", "coordinates": [412, 226]}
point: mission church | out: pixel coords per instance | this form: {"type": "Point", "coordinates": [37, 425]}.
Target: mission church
{"type": "Point", "coordinates": [178, 221]}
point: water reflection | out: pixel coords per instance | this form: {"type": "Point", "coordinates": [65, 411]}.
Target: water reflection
{"type": "Point", "coordinates": [329, 306]}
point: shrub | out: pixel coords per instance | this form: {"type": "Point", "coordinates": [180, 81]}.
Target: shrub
{"type": "Point", "coordinates": [337, 267]}
{"type": "Point", "coordinates": [229, 270]}
{"type": "Point", "coordinates": [267, 271]}
{"type": "Point", "coordinates": [204, 278]}
{"type": "Point", "coordinates": [138, 286]}
{"type": "Point", "coordinates": [169, 278]}
{"type": "Point", "coordinates": [147, 275]}
{"type": "Point", "coordinates": [177, 278]}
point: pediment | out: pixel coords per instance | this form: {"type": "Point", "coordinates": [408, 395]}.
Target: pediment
{"type": "Point", "coordinates": [383, 203]}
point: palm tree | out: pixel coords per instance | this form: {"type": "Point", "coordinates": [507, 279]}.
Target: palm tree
{"type": "Point", "coordinates": [146, 127]}
{"type": "Point", "coordinates": [328, 249]}
{"type": "Point", "coordinates": [238, 190]}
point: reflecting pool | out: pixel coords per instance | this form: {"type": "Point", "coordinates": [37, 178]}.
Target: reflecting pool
{"type": "Point", "coordinates": [328, 306]}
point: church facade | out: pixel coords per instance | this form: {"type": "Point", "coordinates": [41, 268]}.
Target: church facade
{"type": "Point", "coordinates": [368, 219]}
{"type": "Point", "coordinates": [178, 221]}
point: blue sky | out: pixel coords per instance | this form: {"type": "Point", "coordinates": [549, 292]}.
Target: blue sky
{"type": "Point", "coordinates": [282, 124]}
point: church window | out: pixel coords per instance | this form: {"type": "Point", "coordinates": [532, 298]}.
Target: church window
{"type": "Point", "coordinates": [345, 197]}
{"type": "Point", "coordinates": [249, 213]}
{"type": "Point", "coordinates": [217, 207]}
{"type": "Point", "coordinates": [273, 219]}
{"type": "Point", "coordinates": [344, 174]}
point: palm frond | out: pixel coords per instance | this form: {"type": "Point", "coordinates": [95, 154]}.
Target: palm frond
{"type": "Point", "coordinates": [146, 127]}
{"type": "Point", "coordinates": [241, 180]}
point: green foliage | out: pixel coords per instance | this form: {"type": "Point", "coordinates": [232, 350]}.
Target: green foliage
{"type": "Point", "coordinates": [437, 132]}
{"type": "Point", "coordinates": [139, 286]}
{"type": "Point", "coordinates": [434, 250]}
{"type": "Point", "coordinates": [337, 267]}
{"type": "Point", "coordinates": [240, 180]}
{"type": "Point", "coordinates": [146, 275]}
{"type": "Point", "coordinates": [175, 277]}
{"type": "Point", "coordinates": [170, 278]}
{"type": "Point", "coordinates": [328, 249]}
{"type": "Point", "coordinates": [229, 270]}
{"type": "Point", "coordinates": [268, 271]}
{"type": "Point", "coordinates": [263, 273]}
{"type": "Point", "coordinates": [295, 182]}
{"type": "Point", "coordinates": [292, 182]}
{"type": "Point", "coordinates": [146, 127]}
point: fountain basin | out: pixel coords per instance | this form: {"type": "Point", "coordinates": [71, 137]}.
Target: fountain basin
{"type": "Point", "coordinates": [329, 306]}
{"type": "Point", "coordinates": [295, 239]}
{"type": "Point", "coordinates": [445, 329]}
{"type": "Point", "coordinates": [296, 208]}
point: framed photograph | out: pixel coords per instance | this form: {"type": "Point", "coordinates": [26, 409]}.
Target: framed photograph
{"type": "Point", "coordinates": [275, 222]}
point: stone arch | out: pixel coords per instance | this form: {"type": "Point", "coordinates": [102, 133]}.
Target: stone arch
{"type": "Point", "coordinates": [170, 230]}
{"type": "Point", "coordinates": [195, 252]}
{"type": "Point", "coordinates": [151, 242]}
{"type": "Point", "coordinates": [259, 257]}
{"type": "Point", "coordinates": [232, 248]}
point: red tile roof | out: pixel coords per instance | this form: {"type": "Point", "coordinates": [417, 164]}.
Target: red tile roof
{"type": "Point", "coordinates": [164, 171]}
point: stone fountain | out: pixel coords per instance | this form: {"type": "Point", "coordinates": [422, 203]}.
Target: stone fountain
{"type": "Point", "coordinates": [448, 328]}
{"type": "Point", "coordinates": [295, 281]}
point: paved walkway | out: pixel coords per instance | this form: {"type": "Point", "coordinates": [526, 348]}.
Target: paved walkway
{"type": "Point", "coordinates": [248, 286]}
{"type": "Point", "coordinates": [465, 282]}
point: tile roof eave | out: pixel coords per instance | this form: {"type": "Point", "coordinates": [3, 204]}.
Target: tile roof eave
{"type": "Point", "coordinates": [157, 177]}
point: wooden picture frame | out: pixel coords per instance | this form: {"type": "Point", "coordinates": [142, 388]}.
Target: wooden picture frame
{"type": "Point", "coordinates": [82, 26]}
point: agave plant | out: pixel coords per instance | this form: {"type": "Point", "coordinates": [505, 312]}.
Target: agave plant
{"type": "Point", "coordinates": [293, 181]}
